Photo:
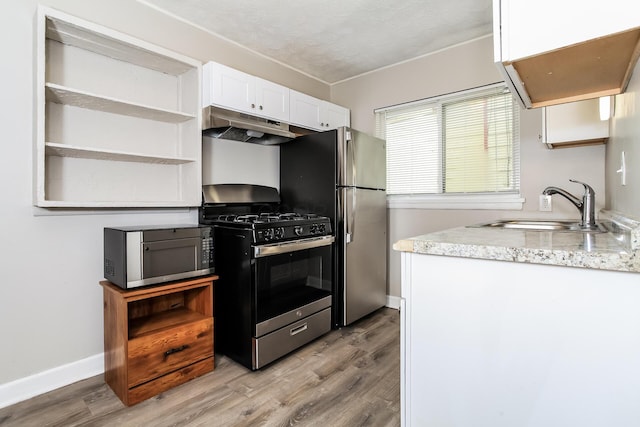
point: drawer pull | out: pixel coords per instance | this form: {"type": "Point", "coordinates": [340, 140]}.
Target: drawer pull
{"type": "Point", "coordinates": [298, 329]}
{"type": "Point", "coordinates": [174, 350]}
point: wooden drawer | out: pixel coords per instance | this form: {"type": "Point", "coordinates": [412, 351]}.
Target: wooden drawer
{"type": "Point", "coordinates": [151, 356]}
{"type": "Point", "coordinates": [166, 382]}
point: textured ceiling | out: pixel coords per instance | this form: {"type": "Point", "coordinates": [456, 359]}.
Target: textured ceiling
{"type": "Point", "coordinates": [334, 40]}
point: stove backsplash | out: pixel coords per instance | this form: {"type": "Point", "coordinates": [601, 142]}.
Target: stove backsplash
{"type": "Point", "coordinates": [226, 161]}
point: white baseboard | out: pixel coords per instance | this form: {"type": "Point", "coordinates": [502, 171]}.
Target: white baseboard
{"type": "Point", "coordinates": [42, 382]}
{"type": "Point", "coordinates": [393, 302]}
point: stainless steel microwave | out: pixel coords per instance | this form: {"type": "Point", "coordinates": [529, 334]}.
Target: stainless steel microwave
{"type": "Point", "coordinates": [145, 255]}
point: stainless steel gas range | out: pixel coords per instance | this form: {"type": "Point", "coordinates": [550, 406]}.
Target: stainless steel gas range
{"type": "Point", "coordinates": [274, 291]}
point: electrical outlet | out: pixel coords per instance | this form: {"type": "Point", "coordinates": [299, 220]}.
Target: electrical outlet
{"type": "Point", "coordinates": [545, 203]}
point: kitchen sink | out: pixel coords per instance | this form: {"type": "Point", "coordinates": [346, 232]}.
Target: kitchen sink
{"type": "Point", "coordinates": [542, 225]}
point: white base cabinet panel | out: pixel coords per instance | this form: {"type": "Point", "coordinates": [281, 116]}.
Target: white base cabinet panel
{"type": "Point", "coordinates": [500, 344]}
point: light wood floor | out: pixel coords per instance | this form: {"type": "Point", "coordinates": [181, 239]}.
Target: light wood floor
{"type": "Point", "coordinates": [349, 377]}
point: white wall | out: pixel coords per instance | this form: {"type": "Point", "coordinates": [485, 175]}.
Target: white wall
{"type": "Point", "coordinates": [465, 66]}
{"type": "Point", "coordinates": [625, 136]}
{"type": "Point", "coordinates": [50, 300]}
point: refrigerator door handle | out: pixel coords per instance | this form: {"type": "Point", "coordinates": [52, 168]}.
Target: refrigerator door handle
{"type": "Point", "coordinates": [352, 156]}
{"type": "Point", "coordinates": [351, 217]}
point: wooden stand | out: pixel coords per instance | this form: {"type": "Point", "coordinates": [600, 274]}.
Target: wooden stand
{"type": "Point", "coordinates": [157, 337]}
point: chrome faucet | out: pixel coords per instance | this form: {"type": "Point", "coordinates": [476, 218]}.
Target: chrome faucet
{"type": "Point", "coordinates": [586, 206]}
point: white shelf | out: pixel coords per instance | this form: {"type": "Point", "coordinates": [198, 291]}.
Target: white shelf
{"type": "Point", "coordinates": [77, 98]}
{"type": "Point", "coordinates": [110, 204]}
{"type": "Point", "coordinates": [107, 42]}
{"type": "Point", "coordinates": [64, 150]}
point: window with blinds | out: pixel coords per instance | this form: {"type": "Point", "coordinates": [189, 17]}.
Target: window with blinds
{"type": "Point", "coordinates": [461, 143]}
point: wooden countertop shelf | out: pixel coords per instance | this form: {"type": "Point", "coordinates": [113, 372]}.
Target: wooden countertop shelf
{"type": "Point", "coordinates": [161, 321]}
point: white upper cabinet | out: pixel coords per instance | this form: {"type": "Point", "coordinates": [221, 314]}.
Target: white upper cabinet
{"type": "Point", "coordinates": [306, 111]}
{"type": "Point", "coordinates": [118, 119]}
{"type": "Point", "coordinates": [272, 100]}
{"type": "Point", "coordinates": [228, 88]}
{"type": "Point", "coordinates": [574, 124]}
{"type": "Point", "coordinates": [553, 52]}
{"type": "Point", "coordinates": [316, 114]}
{"type": "Point", "coordinates": [232, 89]}
{"type": "Point", "coordinates": [335, 116]}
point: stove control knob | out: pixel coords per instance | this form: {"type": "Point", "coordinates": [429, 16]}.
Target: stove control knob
{"type": "Point", "coordinates": [278, 232]}
{"type": "Point", "coordinates": [268, 234]}
{"type": "Point", "coordinates": [298, 230]}
{"type": "Point", "coordinates": [314, 228]}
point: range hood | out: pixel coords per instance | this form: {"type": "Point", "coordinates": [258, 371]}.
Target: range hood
{"type": "Point", "coordinates": [226, 124]}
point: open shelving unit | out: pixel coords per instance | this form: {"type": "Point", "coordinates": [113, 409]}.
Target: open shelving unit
{"type": "Point", "coordinates": [118, 119]}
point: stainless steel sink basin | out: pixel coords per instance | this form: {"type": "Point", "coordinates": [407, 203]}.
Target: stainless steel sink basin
{"type": "Point", "coordinates": [542, 225]}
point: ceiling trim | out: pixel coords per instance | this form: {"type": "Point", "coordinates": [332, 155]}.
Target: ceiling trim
{"type": "Point", "coordinates": [412, 59]}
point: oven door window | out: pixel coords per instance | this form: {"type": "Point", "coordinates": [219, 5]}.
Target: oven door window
{"type": "Point", "coordinates": [285, 282]}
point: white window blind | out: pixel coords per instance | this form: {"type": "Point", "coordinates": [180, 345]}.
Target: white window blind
{"type": "Point", "coordinates": [462, 143]}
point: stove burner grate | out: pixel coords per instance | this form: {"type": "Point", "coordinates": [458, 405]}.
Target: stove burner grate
{"type": "Point", "coordinates": [261, 218]}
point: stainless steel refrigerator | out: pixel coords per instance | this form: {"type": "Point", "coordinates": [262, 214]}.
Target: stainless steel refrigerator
{"type": "Point", "coordinates": [342, 174]}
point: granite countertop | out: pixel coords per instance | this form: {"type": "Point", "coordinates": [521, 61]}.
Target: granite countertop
{"type": "Point", "coordinates": [617, 250]}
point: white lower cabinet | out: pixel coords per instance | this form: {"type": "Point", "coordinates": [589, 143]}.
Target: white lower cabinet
{"type": "Point", "coordinates": [317, 114]}
{"type": "Point", "coordinates": [118, 119]}
{"type": "Point", "coordinates": [503, 344]}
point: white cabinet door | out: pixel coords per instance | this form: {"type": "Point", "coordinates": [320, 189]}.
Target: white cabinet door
{"type": "Point", "coordinates": [231, 88]}
{"type": "Point", "coordinates": [336, 116]}
{"type": "Point", "coordinates": [271, 100]}
{"type": "Point", "coordinates": [314, 113]}
{"type": "Point", "coordinates": [305, 110]}
{"type": "Point", "coordinates": [574, 123]}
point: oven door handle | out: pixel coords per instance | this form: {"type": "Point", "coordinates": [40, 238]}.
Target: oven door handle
{"type": "Point", "coordinates": [285, 247]}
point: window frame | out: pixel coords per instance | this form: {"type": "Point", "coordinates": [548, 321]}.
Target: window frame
{"type": "Point", "coordinates": [507, 200]}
